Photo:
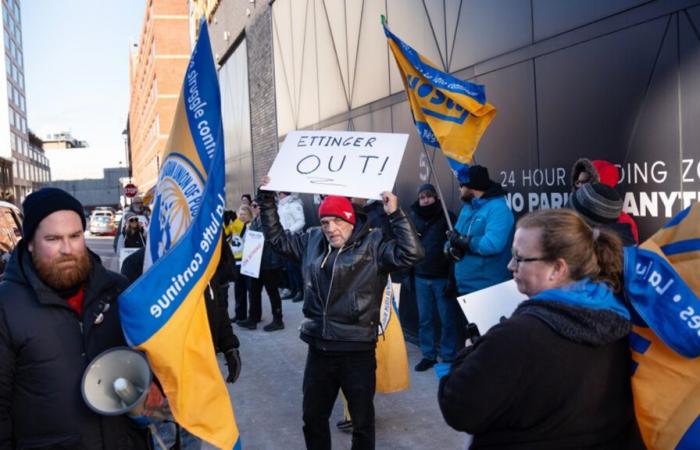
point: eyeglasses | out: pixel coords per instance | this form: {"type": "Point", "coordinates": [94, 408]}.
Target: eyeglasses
{"type": "Point", "coordinates": [134, 220]}
{"type": "Point", "coordinates": [519, 260]}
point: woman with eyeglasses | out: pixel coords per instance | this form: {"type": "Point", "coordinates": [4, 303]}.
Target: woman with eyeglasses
{"type": "Point", "coordinates": [556, 375]}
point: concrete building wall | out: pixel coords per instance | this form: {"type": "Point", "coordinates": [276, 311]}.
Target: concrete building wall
{"type": "Point", "coordinates": [157, 69]}
{"type": "Point", "coordinates": [616, 80]}
{"type": "Point", "coordinates": [105, 191]}
{"type": "Point", "coordinates": [584, 79]}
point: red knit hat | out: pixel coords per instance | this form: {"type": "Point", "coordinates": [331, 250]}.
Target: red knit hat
{"type": "Point", "coordinates": [337, 206]}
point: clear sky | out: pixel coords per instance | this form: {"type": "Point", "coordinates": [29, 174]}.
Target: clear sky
{"type": "Point", "coordinates": [76, 59]}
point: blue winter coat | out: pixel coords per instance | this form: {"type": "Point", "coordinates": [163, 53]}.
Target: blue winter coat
{"type": "Point", "coordinates": [488, 222]}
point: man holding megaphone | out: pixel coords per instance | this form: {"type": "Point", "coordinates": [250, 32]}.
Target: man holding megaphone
{"type": "Point", "coordinates": [57, 312]}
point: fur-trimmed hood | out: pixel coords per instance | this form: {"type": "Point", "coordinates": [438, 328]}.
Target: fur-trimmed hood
{"type": "Point", "coordinates": [601, 171]}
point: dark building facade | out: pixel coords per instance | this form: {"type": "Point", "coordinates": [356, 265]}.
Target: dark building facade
{"type": "Point", "coordinates": [614, 80]}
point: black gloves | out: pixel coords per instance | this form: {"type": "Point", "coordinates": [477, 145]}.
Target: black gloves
{"type": "Point", "coordinates": [458, 241]}
{"type": "Point", "coordinates": [454, 253]}
{"type": "Point", "coordinates": [233, 361]}
{"type": "Point", "coordinates": [457, 245]}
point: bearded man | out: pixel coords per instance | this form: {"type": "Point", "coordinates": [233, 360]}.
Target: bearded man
{"type": "Point", "coordinates": [57, 312]}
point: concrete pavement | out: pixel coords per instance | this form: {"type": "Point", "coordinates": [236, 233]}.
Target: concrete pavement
{"type": "Point", "coordinates": [267, 397]}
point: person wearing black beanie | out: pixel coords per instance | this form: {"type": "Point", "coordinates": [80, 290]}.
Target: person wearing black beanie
{"type": "Point", "coordinates": [59, 311]}
{"type": "Point", "coordinates": [481, 240]}
{"type": "Point", "coordinates": [43, 202]}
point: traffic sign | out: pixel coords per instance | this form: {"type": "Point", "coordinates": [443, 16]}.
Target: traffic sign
{"type": "Point", "coordinates": [130, 190]}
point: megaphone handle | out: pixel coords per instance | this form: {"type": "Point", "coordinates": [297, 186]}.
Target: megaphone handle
{"type": "Point", "coordinates": [156, 436]}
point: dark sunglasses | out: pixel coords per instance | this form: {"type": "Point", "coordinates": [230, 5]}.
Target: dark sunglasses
{"type": "Point", "coordinates": [133, 220]}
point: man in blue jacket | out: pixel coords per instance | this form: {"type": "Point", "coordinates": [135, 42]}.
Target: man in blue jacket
{"type": "Point", "coordinates": [481, 240]}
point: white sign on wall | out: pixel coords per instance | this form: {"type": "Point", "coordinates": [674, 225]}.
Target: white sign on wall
{"type": "Point", "coordinates": [349, 163]}
{"type": "Point", "coordinates": [252, 253]}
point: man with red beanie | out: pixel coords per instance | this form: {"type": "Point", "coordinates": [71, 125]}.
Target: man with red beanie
{"type": "Point", "coordinates": [344, 265]}
{"type": "Point", "coordinates": [600, 171]}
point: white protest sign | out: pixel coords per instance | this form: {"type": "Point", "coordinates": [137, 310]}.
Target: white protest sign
{"type": "Point", "coordinates": [349, 163]}
{"type": "Point", "coordinates": [486, 306]}
{"type": "Point", "coordinates": [252, 253]}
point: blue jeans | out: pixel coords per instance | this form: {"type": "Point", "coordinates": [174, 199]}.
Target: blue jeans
{"type": "Point", "coordinates": [430, 297]}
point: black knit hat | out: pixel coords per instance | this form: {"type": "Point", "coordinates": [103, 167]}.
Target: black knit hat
{"type": "Point", "coordinates": [427, 187]}
{"type": "Point", "coordinates": [478, 178]}
{"type": "Point", "coordinates": [43, 202]}
{"type": "Point", "coordinates": [597, 203]}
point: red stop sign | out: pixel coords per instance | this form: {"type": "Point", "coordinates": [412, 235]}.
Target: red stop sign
{"type": "Point", "coordinates": [130, 190]}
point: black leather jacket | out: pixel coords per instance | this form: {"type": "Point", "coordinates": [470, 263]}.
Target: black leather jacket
{"type": "Point", "coordinates": [350, 310]}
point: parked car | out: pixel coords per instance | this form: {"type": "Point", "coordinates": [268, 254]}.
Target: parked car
{"type": "Point", "coordinates": [102, 223]}
{"type": "Point", "coordinates": [10, 231]}
{"type": "Point", "coordinates": [118, 216]}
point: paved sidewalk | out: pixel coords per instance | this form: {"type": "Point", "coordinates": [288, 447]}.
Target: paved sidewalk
{"type": "Point", "coordinates": [267, 397]}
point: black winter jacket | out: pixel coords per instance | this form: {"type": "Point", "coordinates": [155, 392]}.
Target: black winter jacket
{"type": "Point", "coordinates": [551, 377]}
{"type": "Point", "coordinates": [431, 225]}
{"type": "Point", "coordinates": [44, 350]}
{"type": "Point", "coordinates": [349, 312]}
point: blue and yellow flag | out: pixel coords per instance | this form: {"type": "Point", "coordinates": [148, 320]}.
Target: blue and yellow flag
{"type": "Point", "coordinates": [662, 286]}
{"type": "Point", "coordinates": [163, 313]}
{"type": "Point", "coordinates": [392, 359]}
{"type": "Point", "coordinates": [449, 113]}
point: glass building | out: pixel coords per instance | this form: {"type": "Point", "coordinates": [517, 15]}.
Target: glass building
{"type": "Point", "coordinates": [18, 148]}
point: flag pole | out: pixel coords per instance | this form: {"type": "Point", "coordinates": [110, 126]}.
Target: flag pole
{"type": "Point", "coordinates": [437, 187]}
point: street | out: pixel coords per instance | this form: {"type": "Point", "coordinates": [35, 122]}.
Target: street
{"type": "Point", "coordinates": [102, 245]}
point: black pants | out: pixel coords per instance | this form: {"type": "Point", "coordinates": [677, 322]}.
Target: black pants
{"type": "Point", "coordinates": [270, 280]}
{"type": "Point", "coordinates": [296, 282]}
{"type": "Point", "coordinates": [241, 296]}
{"type": "Point", "coordinates": [325, 373]}
{"type": "Point", "coordinates": [219, 323]}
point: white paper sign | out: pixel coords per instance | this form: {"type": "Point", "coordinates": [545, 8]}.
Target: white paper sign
{"type": "Point", "coordinates": [349, 163]}
{"type": "Point", "coordinates": [253, 243]}
{"type": "Point", "coordinates": [486, 307]}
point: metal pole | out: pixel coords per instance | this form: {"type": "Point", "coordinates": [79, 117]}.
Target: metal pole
{"type": "Point", "coordinates": [437, 187]}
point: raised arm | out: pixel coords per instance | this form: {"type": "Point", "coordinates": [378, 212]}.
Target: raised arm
{"type": "Point", "coordinates": [285, 243]}
{"type": "Point", "coordinates": [405, 249]}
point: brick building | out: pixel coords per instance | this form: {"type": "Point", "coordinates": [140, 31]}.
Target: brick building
{"type": "Point", "coordinates": [157, 66]}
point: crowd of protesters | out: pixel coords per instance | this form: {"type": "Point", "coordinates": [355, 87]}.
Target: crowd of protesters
{"type": "Point", "coordinates": [554, 375]}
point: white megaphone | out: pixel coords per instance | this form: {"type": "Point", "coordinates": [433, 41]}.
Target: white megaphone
{"type": "Point", "coordinates": [116, 382]}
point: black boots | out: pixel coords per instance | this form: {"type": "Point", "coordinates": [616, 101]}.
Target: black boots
{"type": "Point", "coordinates": [275, 325]}
{"type": "Point", "coordinates": [233, 361]}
